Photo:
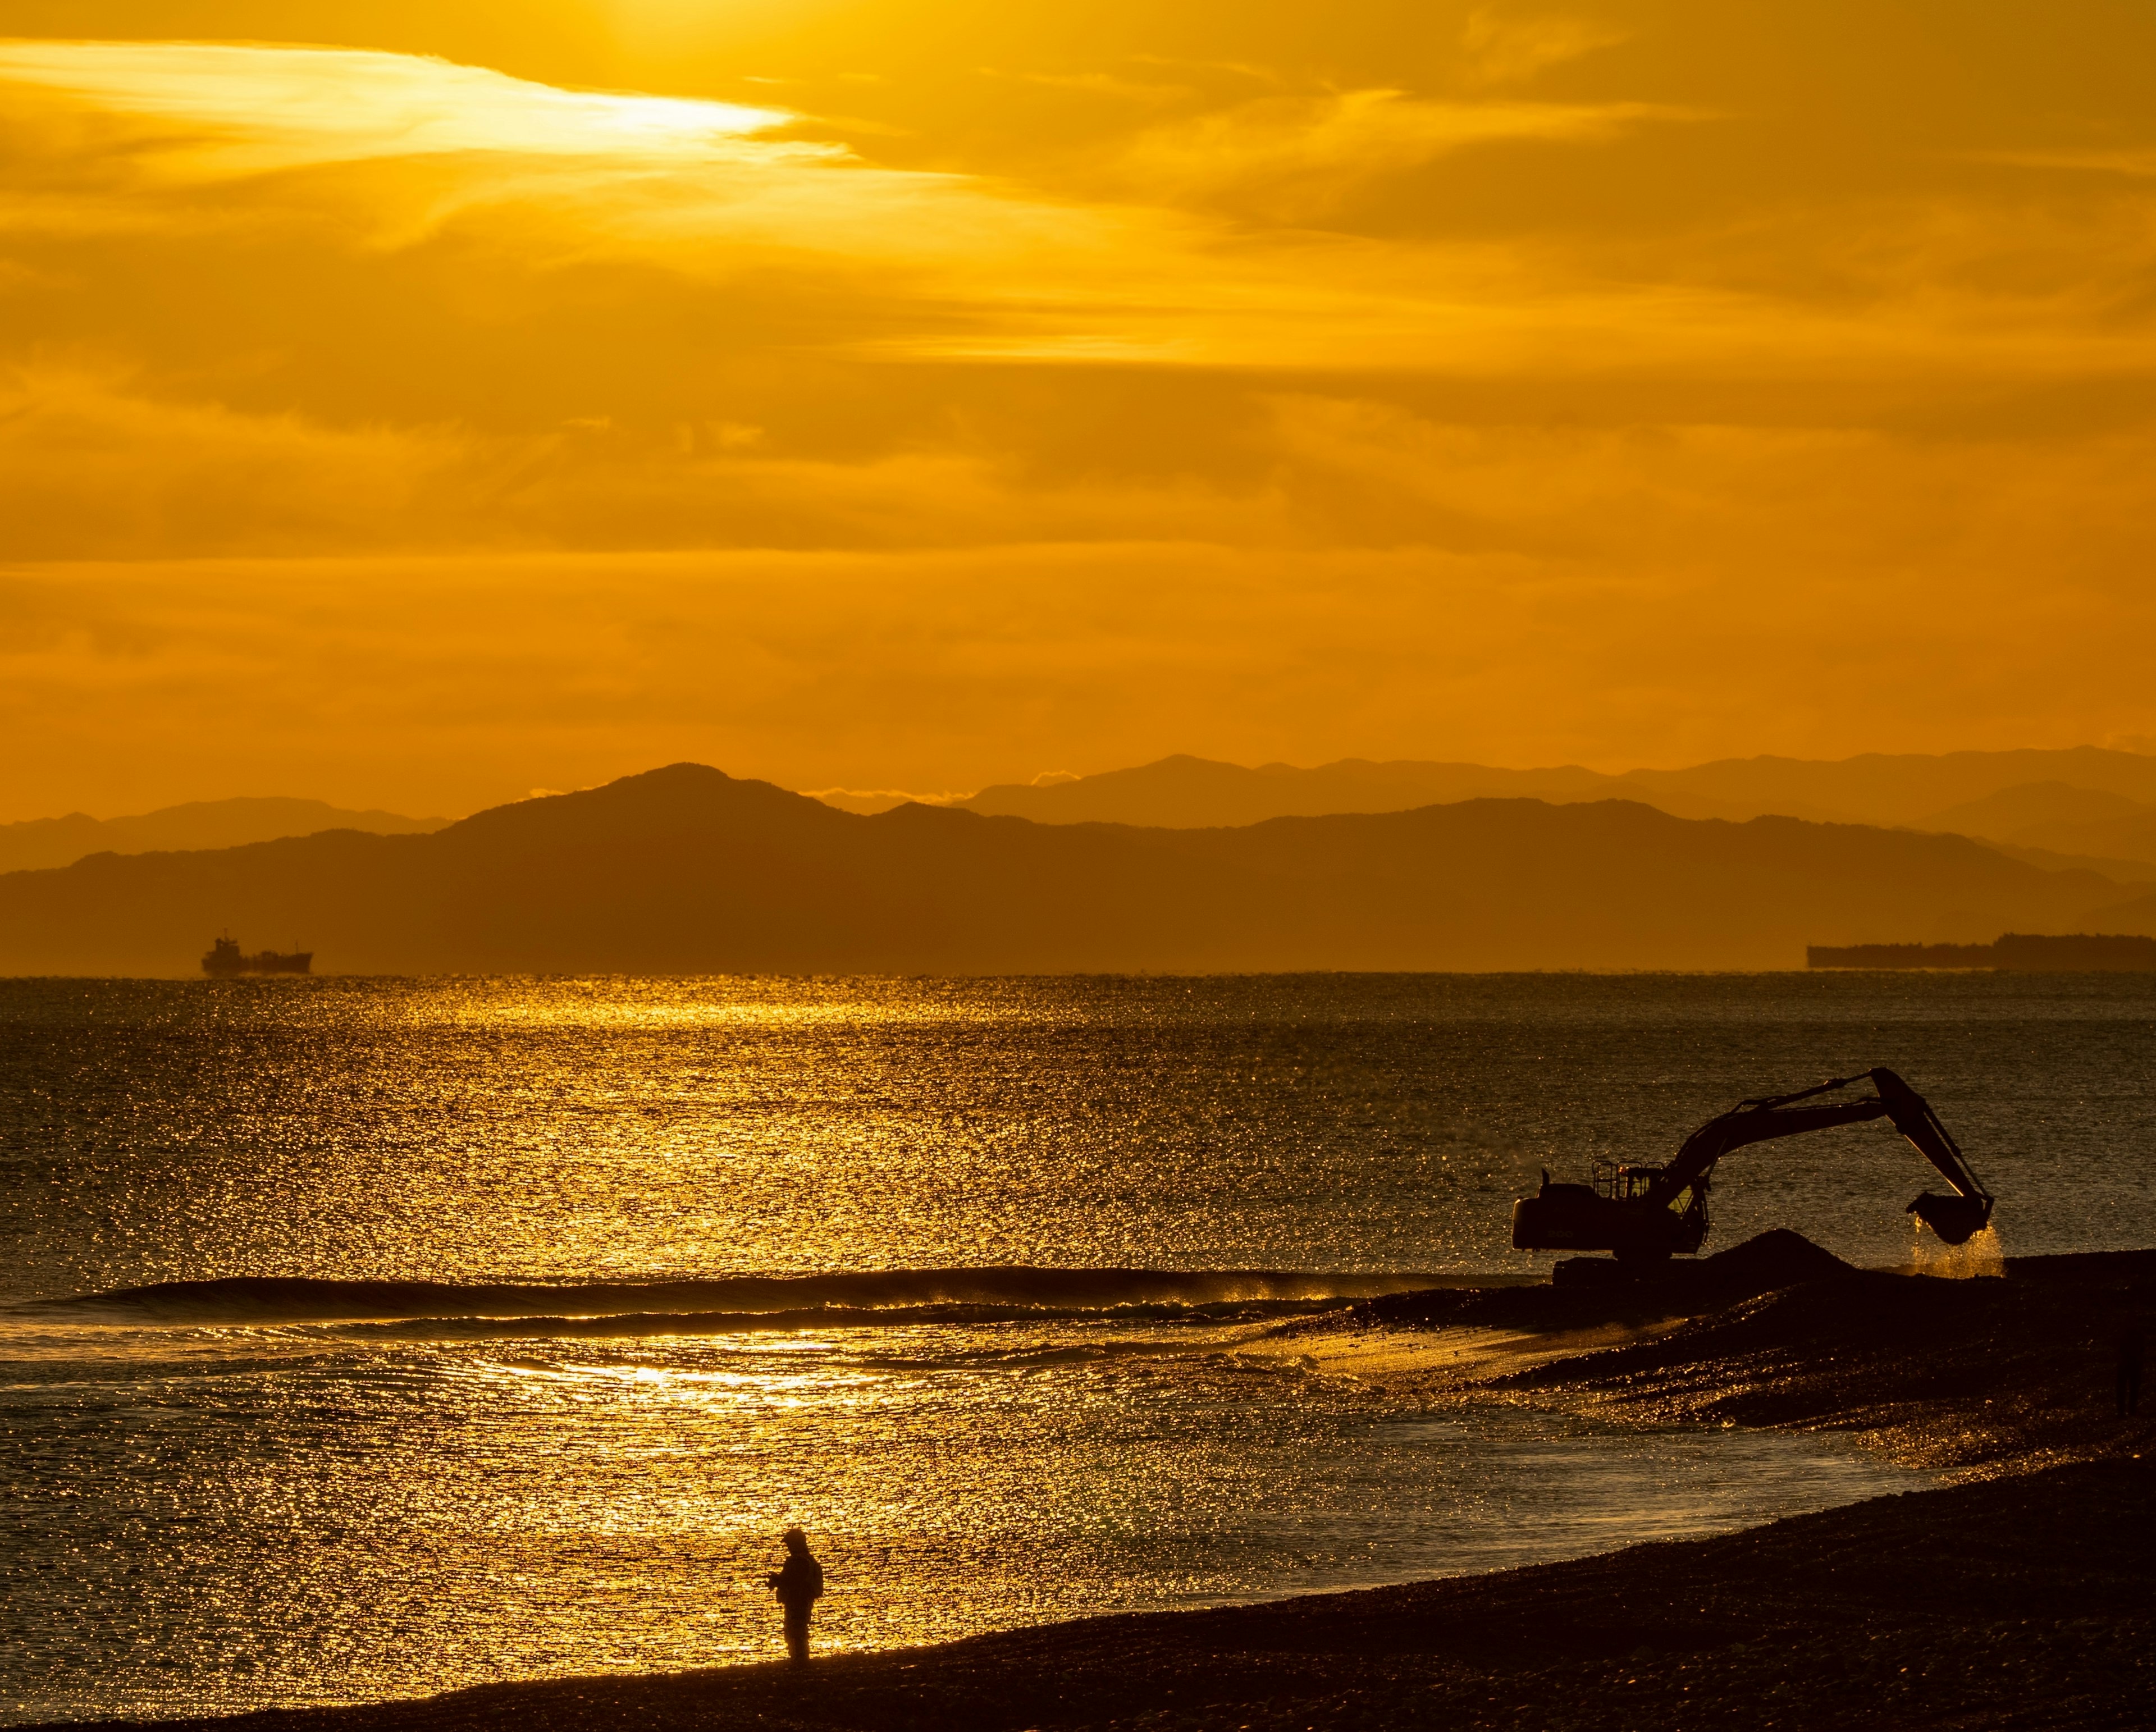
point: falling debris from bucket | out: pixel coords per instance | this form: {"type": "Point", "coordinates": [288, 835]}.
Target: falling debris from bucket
{"type": "Point", "coordinates": [1981, 1254]}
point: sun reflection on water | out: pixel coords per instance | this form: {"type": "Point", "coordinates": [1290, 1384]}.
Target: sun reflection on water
{"type": "Point", "coordinates": [344, 1520]}
{"type": "Point", "coordinates": [251, 1505]}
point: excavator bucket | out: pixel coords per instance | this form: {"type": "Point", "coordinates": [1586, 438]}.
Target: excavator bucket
{"type": "Point", "coordinates": [1956, 1220]}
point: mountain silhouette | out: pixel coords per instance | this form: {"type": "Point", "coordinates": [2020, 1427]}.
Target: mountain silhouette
{"type": "Point", "coordinates": [2031, 808]}
{"type": "Point", "coordinates": [2053, 823]}
{"type": "Point", "coordinates": [685, 869]}
{"type": "Point", "coordinates": [1186, 792]}
{"type": "Point", "coordinates": [1913, 789]}
{"type": "Point", "coordinates": [2131, 835]}
{"type": "Point", "coordinates": [1899, 788]}
{"type": "Point", "coordinates": [199, 824]}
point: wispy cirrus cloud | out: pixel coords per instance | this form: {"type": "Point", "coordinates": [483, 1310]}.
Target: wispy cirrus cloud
{"type": "Point", "coordinates": [330, 149]}
{"type": "Point", "coordinates": [1293, 156]}
{"type": "Point", "coordinates": [2133, 164]}
{"type": "Point", "coordinates": [226, 110]}
{"type": "Point", "coordinates": [1508, 48]}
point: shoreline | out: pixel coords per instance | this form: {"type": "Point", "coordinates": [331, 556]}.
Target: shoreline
{"type": "Point", "coordinates": [1977, 1376]}
{"type": "Point", "coordinates": [2021, 1595]}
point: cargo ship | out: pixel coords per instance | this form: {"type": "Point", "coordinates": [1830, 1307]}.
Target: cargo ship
{"type": "Point", "coordinates": [225, 960]}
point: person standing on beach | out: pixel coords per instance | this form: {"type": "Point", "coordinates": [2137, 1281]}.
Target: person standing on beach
{"type": "Point", "coordinates": [799, 1583]}
{"type": "Point", "coordinates": [2129, 1372]}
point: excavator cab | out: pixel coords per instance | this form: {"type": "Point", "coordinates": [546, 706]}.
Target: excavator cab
{"type": "Point", "coordinates": [1627, 1209]}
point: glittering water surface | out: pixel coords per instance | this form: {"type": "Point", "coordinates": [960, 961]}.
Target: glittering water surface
{"type": "Point", "coordinates": [217, 1497]}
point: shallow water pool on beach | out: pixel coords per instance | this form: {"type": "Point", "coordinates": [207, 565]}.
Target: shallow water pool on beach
{"type": "Point", "coordinates": [220, 1496]}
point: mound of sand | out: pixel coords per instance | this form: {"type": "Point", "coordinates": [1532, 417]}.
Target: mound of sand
{"type": "Point", "coordinates": [1777, 1258]}
{"type": "Point", "coordinates": [1770, 1260]}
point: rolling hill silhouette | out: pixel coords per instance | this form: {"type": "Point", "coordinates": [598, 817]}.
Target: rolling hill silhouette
{"type": "Point", "coordinates": [37, 842]}
{"type": "Point", "coordinates": [685, 869]}
{"type": "Point", "coordinates": [1877, 788]}
{"type": "Point", "coordinates": [1186, 792]}
{"type": "Point", "coordinates": [2030, 807]}
{"type": "Point", "coordinates": [1899, 787]}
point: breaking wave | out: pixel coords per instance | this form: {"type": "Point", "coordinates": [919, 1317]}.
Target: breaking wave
{"type": "Point", "coordinates": [870, 1299]}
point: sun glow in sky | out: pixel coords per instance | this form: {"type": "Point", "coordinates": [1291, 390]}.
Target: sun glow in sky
{"type": "Point", "coordinates": [231, 110]}
{"type": "Point", "coordinates": [408, 405]}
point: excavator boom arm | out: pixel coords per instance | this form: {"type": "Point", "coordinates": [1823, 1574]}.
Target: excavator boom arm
{"type": "Point", "coordinates": [1666, 1218]}
{"type": "Point", "coordinates": [1913, 1117]}
{"type": "Point", "coordinates": [1755, 1122]}
{"type": "Point", "coordinates": [1758, 1121]}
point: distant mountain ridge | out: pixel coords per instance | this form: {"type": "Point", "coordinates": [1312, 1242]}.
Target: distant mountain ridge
{"type": "Point", "coordinates": [1183, 791]}
{"type": "Point", "coordinates": [2086, 807]}
{"type": "Point", "coordinates": [38, 842]}
{"type": "Point", "coordinates": [685, 869]}
{"type": "Point", "coordinates": [1902, 788]}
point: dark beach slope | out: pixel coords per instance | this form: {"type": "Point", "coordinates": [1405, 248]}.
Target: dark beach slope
{"type": "Point", "coordinates": [1991, 1375]}
{"type": "Point", "coordinates": [2024, 1600]}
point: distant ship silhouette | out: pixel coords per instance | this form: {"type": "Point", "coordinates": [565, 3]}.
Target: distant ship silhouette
{"type": "Point", "coordinates": [224, 961]}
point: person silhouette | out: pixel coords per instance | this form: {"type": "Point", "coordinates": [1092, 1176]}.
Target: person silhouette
{"type": "Point", "coordinates": [2129, 1373]}
{"type": "Point", "coordinates": [799, 1583]}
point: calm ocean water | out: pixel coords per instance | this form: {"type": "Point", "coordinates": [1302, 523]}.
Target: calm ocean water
{"type": "Point", "coordinates": [247, 1486]}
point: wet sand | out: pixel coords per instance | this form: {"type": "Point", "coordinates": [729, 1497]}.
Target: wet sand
{"type": "Point", "coordinates": [2023, 1597]}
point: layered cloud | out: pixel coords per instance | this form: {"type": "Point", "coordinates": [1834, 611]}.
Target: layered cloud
{"type": "Point", "coordinates": [1590, 344]}
{"type": "Point", "coordinates": [384, 675]}
{"type": "Point", "coordinates": [217, 110]}
{"type": "Point", "coordinates": [1297, 158]}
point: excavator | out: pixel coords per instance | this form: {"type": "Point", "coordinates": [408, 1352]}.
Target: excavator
{"type": "Point", "coordinates": [1644, 1213]}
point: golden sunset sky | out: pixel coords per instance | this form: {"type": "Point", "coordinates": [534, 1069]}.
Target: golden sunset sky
{"type": "Point", "coordinates": [412, 402]}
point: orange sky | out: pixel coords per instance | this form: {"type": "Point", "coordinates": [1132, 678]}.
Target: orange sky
{"type": "Point", "coordinates": [410, 404]}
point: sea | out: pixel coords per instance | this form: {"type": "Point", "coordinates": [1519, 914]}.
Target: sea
{"type": "Point", "coordinates": [366, 1338]}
